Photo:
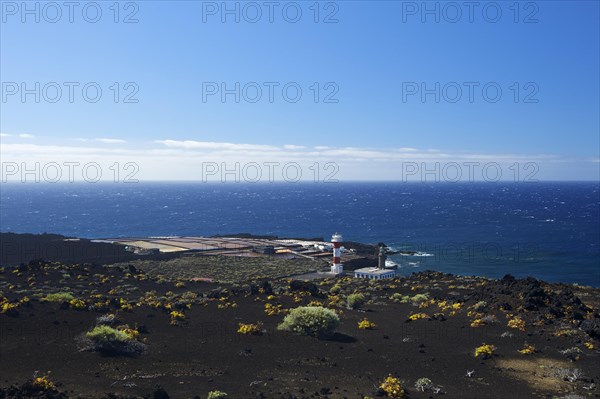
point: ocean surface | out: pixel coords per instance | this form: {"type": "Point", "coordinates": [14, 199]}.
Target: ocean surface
{"type": "Point", "coordinates": [547, 230]}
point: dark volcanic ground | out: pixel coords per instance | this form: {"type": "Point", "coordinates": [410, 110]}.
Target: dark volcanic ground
{"type": "Point", "coordinates": [204, 352]}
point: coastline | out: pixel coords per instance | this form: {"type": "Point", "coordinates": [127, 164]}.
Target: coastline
{"type": "Point", "coordinates": [18, 248]}
{"type": "Point", "coordinates": [426, 325]}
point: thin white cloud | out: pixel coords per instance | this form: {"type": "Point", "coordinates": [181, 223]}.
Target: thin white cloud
{"type": "Point", "coordinates": [186, 158]}
{"type": "Point", "coordinates": [248, 152]}
{"type": "Point", "coordinates": [209, 145]}
{"type": "Point", "coordinates": [110, 141]}
{"type": "Point", "coordinates": [26, 136]}
{"type": "Point", "coordinates": [293, 147]}
{"type": "Point", "coordinates": [49, 151]}
{"type": "Point", "coordinates": [4, 135]}
{"type": "Point", "coordinates": [290, 152]}
{"type": "Point", "coordinates": [101, 140]}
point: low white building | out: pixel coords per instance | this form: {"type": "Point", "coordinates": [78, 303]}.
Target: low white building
{"type": "Point", "coordinates": [377, 273]}
{"type": "Point", "coordinates": [374, 273]}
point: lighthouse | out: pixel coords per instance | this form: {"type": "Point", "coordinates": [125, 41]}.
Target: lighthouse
{"type": "Point", "coordinates": [337, 266]}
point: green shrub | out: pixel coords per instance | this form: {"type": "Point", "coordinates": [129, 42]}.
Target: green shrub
{"type": "Point", "coordinates": [315, 321]}
{"type": "Point", "coordinates": [397, 297]}
{"type": "Point", "coordinates": [355, 301]}
{"type": "Point", "coordinates": [419, 298]}
{"type": "Point", "coordinates": [59, 297]}
{"type": "Point", "coordinates": [109, 340]}
{"type": "Point", "coordinates": [336, 289]}
{"type": "Point", "coordinates": [105, 333]}
{"type": "Point", "coordinates": [216, 395]}
{"type": "Point", "coordinates": [423, 384]}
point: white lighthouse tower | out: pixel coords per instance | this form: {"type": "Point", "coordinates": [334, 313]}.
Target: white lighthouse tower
{"type": "Point", "coordinates": [337, 266]}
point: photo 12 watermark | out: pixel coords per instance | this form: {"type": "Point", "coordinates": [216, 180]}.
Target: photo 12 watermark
{"type": "Point", "coordinates": [68, 172]}
{"type": "Point", "coordinates": [69, 92]}
{"type": "Point", "coordinates": [270, 92]}
{"type": "Point", "coordinates": [253, 12]}
{"type": "Point", "coordinates": [470, 92]}
{"type": "Point", "coordinates": [71, 12]}
{"type": "Point", "coordinates": [454, 12]}
{"type": "Point", "coordinates": [269, 172]}
{"type": "Point", "coordinates": [454, 172]}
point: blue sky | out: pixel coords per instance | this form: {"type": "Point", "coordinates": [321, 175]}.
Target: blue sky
{"type": "Point", "coordinates": [370, 58]}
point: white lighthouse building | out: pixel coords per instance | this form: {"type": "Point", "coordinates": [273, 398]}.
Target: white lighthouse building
{"type": "Point", "coordinates": [337, 266]}
{"type": "Point", "coordinates": [379, 272]}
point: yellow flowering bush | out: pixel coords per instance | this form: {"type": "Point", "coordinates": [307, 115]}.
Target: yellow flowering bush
{"type": "Point", "coordinates": [272, 310]}
{"type": "Point", "coordinates": [9, 308]}
{"type": "Point", "coordinates": [44, 383]}
{"type": "Point", "coordinates": [426, 304]}
{"type": "Point", "coordinates": [176, 316]}
{"type": "Point", "coordinates": [77, 304]}
{"type": "Point", "coordinates": [485, 351]}
{"type": "Point", "coordinates": [227, 305]}
{"type": "Point", "coordinates": [250, 328]}
{"type": "Point", "coordinates": [477, 323]}
{"type": "Point", "coordinates": [365, 324]}
{"type": "Point", "coordinates": [418, 316]}
{"type": "Point", "coordinates": [517, 323]}
{"type": "Point", "coordinates": [527, 350]}
{"type": "Point", "coordinates": [124, 304]}
{"type": "Point", "coordinates": [565, 333]}
{"type": "Point", "coordinates": [334, 300]}
{"type": "Point", "coordinates": [131, 332]}
{"type": "Point", "coordinates": [392, 387]}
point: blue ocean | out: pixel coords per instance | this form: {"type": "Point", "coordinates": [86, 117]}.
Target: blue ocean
{"type": "Point", "coordinates": [548, 230]}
